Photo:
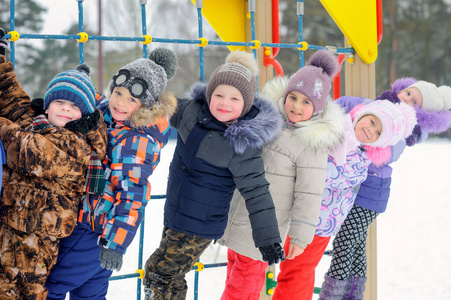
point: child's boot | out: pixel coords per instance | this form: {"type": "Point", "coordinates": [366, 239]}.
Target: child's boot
{"type": "Point", "coordinates": [332, 289]}
{"type": "Point", "coordinates": [355, 287]}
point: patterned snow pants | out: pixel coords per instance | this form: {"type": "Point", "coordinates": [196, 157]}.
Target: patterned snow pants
{"type": "Point", "coordinates": [349, 245]}
{"type": "Point", "coordinates": [166, 267]}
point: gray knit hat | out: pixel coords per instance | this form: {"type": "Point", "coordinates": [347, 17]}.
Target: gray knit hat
{"type": "Point", "coordinates": [314, 80]}
{"type": "Point", "coordinates": [239, 71]}
{"type": "Point", "coordinates": [146, 78]}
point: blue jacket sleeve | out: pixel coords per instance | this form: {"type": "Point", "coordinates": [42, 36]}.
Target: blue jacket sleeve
{"type": "Point", "coordinates": [349, 102]}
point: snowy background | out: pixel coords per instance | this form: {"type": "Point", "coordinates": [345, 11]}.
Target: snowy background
{"type": "Point", "coordinates": [413, 237]}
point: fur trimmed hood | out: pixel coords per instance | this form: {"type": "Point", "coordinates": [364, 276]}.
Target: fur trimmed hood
{"type": "Point", "coordinates": [255, 129]}
{"type": "Point", "coordinates": [145, 116]}
{"type": "Point", "coordinates": [428, 121]}
{"type": "Point", "coordinates": [323, 131]}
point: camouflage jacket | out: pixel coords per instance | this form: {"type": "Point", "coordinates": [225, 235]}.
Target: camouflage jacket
{"type": "Point", "coordinates": [44, 175]}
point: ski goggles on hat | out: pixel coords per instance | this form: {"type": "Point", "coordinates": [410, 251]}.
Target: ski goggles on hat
{"type": "Point", "coordinates": [136, 86]}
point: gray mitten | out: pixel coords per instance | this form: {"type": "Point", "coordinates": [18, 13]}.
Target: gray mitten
{"type": "Point", "coordinates": [110, 259]}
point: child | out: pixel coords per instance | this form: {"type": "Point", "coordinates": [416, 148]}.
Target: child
{"type": "Point", "coordinates": [221, 132]}
{"type": "Point", "coordinates": [48, 149]}
{"type": "Point", "coordinates": [295, 167]}
{"type": "Point", "coordinates": [138, 115]}
{"type": "Point", "coordinates": [346, 276]}
{"type": "Point", "coordinates": [375, 125]}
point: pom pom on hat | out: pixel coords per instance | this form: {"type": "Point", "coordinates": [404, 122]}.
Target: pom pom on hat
{"type": "Point", "coordinates": [75, 86]}
{"type": "Point", "coordinates": [146, 78]}
{"type": "Point", "coordinates": [434, 98]}
{"type": "Point", "coordinates": [239, 71]}
{"type": "Point", "coordinates": [314, 80]}
{"type": "Point", "coordinates": [398, 121]}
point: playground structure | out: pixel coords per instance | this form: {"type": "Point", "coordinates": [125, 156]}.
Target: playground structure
{"type": "Point", "coordinates": [255, 27]}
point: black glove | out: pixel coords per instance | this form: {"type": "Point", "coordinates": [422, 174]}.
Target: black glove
{"type": "Point", "coordinates": [3, 42]}
{"type": "Point", "coordinates": [110, 259]}
{"type": "Point", "coordinates": [85, 124]}
{"type": "Point", "coordinates": [272, 253]}
{"type": "Point", "coordinates": [38, 106]}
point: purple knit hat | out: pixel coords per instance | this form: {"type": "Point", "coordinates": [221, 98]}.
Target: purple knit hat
{"type": "Point", "coordinates": [314, 80]}
{"type": "Point", "coordinates": [398, 121]}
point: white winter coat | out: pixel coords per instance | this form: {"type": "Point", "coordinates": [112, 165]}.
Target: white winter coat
{"type": "Point", "coordinates": [295, 166]}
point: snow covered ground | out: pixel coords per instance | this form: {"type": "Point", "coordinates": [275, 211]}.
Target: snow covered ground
{"type": "Point", "coordinates": [413, 237]}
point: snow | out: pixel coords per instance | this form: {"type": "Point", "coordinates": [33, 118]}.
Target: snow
{"type": "Point", "coordinates": [413, 253]}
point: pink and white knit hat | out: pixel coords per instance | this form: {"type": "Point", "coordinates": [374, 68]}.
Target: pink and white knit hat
{"type": "Point", "coordinates": [398, 121]}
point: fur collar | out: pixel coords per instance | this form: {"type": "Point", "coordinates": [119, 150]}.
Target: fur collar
{"type": "Point", "coordinates": [321, 132]}
{"type": "Point", "coordinates": [248, 132]}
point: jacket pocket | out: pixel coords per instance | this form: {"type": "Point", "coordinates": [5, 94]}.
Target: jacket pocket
{"type": "Point", "coordinates": [18, 251]}
{"type": "Point", "coordinates": [24, 196]}
{"type": "Point", "coordinates": [58, 220]}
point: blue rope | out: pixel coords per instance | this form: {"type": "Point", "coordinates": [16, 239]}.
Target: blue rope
{"type": "Point", "coordinates": [81, 46]}
{"type": "Point", "coordinates": [12, 24]}
{"type": "Point", "coordinates": [201, 49]}
{"type": "Point", "coordinates": [300, 12]}
{"type": "Point", "coordinates": [254, 51]}
{"type": "Point", "coordinates": [174, 41]}
{"type": "Point", "coordinates": [144, 27]}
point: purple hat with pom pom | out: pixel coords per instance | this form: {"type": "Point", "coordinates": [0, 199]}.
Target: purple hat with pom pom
{"type": "Point", "coordinates": [314, 80]}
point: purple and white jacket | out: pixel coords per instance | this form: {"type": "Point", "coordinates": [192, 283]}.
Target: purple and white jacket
{"type": "Point", "coordinates": [342, 177]}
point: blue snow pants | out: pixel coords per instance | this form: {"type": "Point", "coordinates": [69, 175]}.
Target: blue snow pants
{"type": "Point", "coordinates": [77, 270]}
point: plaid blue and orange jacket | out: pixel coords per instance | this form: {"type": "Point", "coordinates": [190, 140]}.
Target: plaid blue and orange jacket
{"type": "Point", "coordinates": [132, 156]}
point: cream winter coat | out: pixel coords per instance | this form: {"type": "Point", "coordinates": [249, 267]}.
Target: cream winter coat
{"type": "Point", "coordinates": [295, 166]}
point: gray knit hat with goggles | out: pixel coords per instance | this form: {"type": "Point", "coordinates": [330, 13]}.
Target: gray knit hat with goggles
{"type": "Point", "coordinates": [146, 78]}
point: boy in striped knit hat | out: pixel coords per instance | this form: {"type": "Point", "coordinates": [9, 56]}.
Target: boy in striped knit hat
{"type": "Point", "coordinates": [48, 145]}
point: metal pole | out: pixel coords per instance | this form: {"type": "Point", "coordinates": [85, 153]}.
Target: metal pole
{"type": "Point", "coordinates": [100, 55]}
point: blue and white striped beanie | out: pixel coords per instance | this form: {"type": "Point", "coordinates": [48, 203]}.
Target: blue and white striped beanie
{"type": "Point", "coordinates": [75, 86]}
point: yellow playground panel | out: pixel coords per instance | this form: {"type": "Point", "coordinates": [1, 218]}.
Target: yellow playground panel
{"type": "Point", "coordinates": [357, 19]}
{"type": "Point", "coordinates": [228, 19]}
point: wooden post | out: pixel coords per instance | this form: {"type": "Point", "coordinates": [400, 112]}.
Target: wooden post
{"type": "Point", "coordinates": [263, 33]}
{"type": "Point", "coordinates": [360, 80]}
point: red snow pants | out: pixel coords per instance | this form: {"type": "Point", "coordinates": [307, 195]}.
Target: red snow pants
{"type": "Point", "coordinates": [296, 279]}
{"type": "Point", "coordinates": [245, 277]}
